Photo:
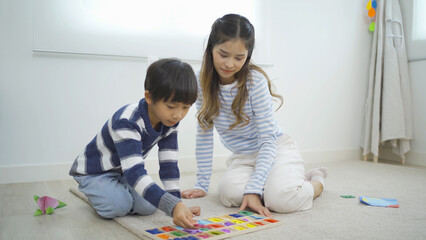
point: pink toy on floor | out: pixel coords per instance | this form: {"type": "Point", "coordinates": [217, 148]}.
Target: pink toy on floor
{"type": "Point", "coordinates": [47, 204]}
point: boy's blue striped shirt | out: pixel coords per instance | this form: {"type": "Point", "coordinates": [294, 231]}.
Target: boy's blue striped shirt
{"type": "Point", "coordinates": [123, 144]}
{"type": "Point", "coordinates": [258, 137]}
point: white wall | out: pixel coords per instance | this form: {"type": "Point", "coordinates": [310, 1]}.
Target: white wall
{"type": "Point", "coordinates": [417, 71]}
{"type": "Point", "coordinates": [416, 51]}
{"type": "Point", "coordinates": [321, 55]}
{"type": "Point", "coordinates": [51, 105]}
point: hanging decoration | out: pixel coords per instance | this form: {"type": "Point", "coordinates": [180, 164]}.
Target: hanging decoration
{"type": "Point", "coordinates": [371, 7]}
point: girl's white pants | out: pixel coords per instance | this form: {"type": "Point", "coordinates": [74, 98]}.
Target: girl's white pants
{"type": "Point", "coordinates": [286, 189]}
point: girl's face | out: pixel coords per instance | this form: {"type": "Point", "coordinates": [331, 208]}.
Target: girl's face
{"type": "Point", "coordinates": [228, 59]}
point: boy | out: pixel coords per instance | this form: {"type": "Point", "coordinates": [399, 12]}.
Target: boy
{"type": "Point", "coordinates": [111, 169]}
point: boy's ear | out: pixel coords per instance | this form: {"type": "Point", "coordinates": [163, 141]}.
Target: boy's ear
{"type": "Point", "coordinates": [148, 98]}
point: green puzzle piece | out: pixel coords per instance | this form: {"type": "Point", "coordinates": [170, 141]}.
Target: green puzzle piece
{"type": "Point", "coordinates": [347, 196]}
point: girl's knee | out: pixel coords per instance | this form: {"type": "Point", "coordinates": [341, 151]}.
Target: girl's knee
{"type": "Point", "coordinates": [288, 201]}
{"type": "Point", "coordinates": [283, 207]}
{"type": "Point", "coordinates": [231, 201]}
{"type": "Point", "coordinates": [229, 195]}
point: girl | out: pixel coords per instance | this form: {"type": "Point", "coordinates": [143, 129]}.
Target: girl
{"type": "Point", "coordinates": [266, 171]}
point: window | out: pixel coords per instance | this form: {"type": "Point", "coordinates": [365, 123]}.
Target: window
{"type": "Point", "coordinates": [138, 28]}
{"type": "Point", "coordinates": [419, 20]}
{"type": "Point", "coordinates": [414, 19]}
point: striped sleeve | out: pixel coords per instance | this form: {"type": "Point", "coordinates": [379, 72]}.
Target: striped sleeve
{"type": "Point", "coordinates": [168, 160]}
{"type": "Point", "coordinates": [263, 116]}
{"type": "Point", "coordinates": [204, 156]}
{"type": "Point", "coordinates": [127, 139]}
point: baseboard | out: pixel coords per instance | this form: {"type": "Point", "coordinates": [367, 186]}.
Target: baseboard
{"type": "Point", "coordinates": [412, 158]}
{"type": "Point", "coordinates": [34, 172]}
{"type": "Point", "coordinates": [59, 171]}
{"type": "Point", "coordinates": [416, 158]}
{"type": "Point", "coordinates": [331, 155]}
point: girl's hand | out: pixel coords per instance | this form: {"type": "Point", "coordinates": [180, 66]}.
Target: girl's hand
{"type": "Point", "coordinates": [252, 201]}
{"type": "Point", "coordinates": [193, 193]}
{"type": "Point", "coordinates": [182, 216]}
{"type": "Point", "coordinates": [195, 210]}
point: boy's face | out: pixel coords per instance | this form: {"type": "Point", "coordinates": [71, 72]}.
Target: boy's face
{"type": "Point", "coordinates": [167, 112]}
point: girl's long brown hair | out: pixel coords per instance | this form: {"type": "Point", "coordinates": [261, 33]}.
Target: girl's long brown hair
{"type": "Point", "coordinates": [231, 26]}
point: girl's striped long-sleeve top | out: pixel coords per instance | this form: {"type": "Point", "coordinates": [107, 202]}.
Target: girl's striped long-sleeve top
{"type": "Point", "coordinates": [258, 137]}
{"type": "Point", "coordinates": [122, 146]}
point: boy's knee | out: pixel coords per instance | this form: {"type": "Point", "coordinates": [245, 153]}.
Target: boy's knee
{"type": "Point", "coordinates": [149, 210]}
{"type": "Point", "coordinates": [115, 207]}
{"type": "Point", "coordinates": [144, 209]}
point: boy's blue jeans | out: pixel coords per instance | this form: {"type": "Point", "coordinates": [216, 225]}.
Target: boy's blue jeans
{"type": "Point", "coordinates": [111, 196]}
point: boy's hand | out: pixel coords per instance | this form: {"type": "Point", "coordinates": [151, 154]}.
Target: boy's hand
{"type": "Point", "coordinates": [252, 201]}
{"type": "Point", "coordinates": [193, 193]}
{"type": "Point", "coordinates": [182, 216]}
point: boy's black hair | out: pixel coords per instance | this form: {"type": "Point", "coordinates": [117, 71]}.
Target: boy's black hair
{"type": "Point", "coordinates": [171, 79]}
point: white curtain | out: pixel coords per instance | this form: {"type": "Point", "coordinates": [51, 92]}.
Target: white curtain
{"type": "Point", "coordinates": [388, 113]}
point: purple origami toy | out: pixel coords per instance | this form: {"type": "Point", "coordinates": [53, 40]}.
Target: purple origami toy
{"type": "Point", "coordinates": [47, 205]}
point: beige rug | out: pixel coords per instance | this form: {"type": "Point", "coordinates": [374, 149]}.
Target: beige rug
{"type": "Point", "coordinates": [134, 223]}
{"type": "Point", "coordinates": [332, 217]}
{"type": "Point", "coordinates": [210, 207]}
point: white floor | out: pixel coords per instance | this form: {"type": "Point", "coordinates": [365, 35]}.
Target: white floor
{"type": "Point", "coordinates": [332, 217]}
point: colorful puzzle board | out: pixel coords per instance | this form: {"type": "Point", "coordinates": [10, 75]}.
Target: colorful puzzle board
{"type": "Point", "coordinates": [220, 227]}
